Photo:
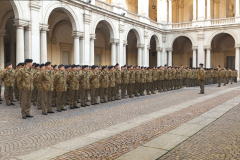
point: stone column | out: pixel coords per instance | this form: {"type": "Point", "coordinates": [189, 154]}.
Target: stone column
{"type": "Point", "coordinates": [194, 10]}
{"type": "Point", "coordinates": [87, 20]}
{"type": "Point", "coordinates": [140, 46]}
{"type": "Point", "coordinates": [43, 48]}
{"type": "Point", "coordinates": [170, 57]}
{"type": "Point", "coordinates": [208, 58]}
{"type": "Point", "coordinates": [20, 44]}
{"type": "Point", "coordinates": [2, 33]}
{"type": "Point", "coordinates": [113, 51]}
{"type": "Point", "coordinates": [201, 10]}
{"type": "Point", "coordinates": [120, 50]}
{"type": "Point", "coordinates": [12, 51]}
{"type": "Point", "coordinates": [194, 60]}
{"type": "Point", "coordinates": [237, 9]}
{"type": "Point", "coordinates": [159, 56]}
{"type": "Point", "coordinates": [145, 53]}
{"type": "Point", "coordinates": [170, 11]}
{"type": "Point", "coordinates": [92, 38]}
{"type": "Point", "coordinates": [164, 55]}
{"type": "Point", "coordinates": [201, 52]}
{"type": "Point", "coordinates": [237, 59]}
{"type": "Point", "coordinates": [76, 42]}
{"type": "Point", "coordinates": [124, 52]}
{"type": "Point", "coordinates": [27, 43]}
{"type": "Point", "coordinates": [81, 50]}
{"type": "Point", "coordinates": [208, 9]}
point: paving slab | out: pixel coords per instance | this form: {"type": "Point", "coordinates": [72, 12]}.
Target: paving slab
{"type": "Point", "coordinates": [202, 120]}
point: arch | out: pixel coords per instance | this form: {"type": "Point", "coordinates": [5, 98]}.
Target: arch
{"type": "Point", "coordinates": [5, 18]}
{"type": "Point", "coordinates": [16, 9]}
{"type": "Point", "coordinates": [68, 10]}
{"type": "Point", "coordinates": [108, 23]}
{"type": "Point", "coordinates": [170, 44]}
{"type": "Point", "coordinates": [58, 25]}
{"type": "Point", "coordinates": [156, 37]}
{"type": "Point", "coordinates": [137, 33]}
{"type": "Point", "coordinates": [231, 33]}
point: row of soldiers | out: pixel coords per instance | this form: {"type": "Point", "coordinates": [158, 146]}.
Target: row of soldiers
{"type": "Point", "coordinates": [49, 86]}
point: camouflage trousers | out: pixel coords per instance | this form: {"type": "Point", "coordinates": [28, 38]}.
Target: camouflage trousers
{"type": "Point", "coordinates": [60, 100]}
{"type": "Point", "coordinates": [235, 79]}
{"type": "Point", "coordinates": [123, 90]}
{"type": "Point", "coordinates": [177, 84]}
{"type": "Point", "coordinates": [149, 87]}
{"type": "Point", "coordinates": [224, 81]}
{"type": "Point", "coordinates": [116, 91]}
{"type": "Point", "coordinates": [201, 84]}
{"type": "Point", "coordinates": [165, 84]}
{"type": "Point", "coordinates": [94, 95]}
{"type": "Point", "coordinates": [8, 94]}
{"type": "Point", "coordinates": [84, 96]}
{"type": "Point", "coordinates": [155, 85]}
{"type": "Point", "coordinates": [20, 96]}
{"type": "Point", "coordinates": [141, 88]}
{"type": "Point", "coordinates": [111, 94]}
{"type": "Point", "coordinates": [26, 102]}
{"type": "Point", "coordinates": [39, 99]}
{"type": "Point", "coordinates": [130, 89]}
{"type": "Point", "coordinates": [173, 84]}
{"type": "Point", "coordinates": [219, 80]}
{"type": "Point", "coordinates": [169, 84]}
{"type": "Point", "coordinates": [136, 89]}
{"type": "Point", "coordinates": [160, 85]}
{"type": "Point", "coordinates": [16, 92]}
{"type": "Point", "coordinates": [34, 94]}
{"type": "Point", "coordinates": [103, 94]}
{"type": "Point", "coordinates": [73, 95]}
{"type": "Point", "coordinates": [187, 82]}
{"type": "Point", "coordinates": [46, 101]}
{"type": "Point", "coordinates": [54, 97]}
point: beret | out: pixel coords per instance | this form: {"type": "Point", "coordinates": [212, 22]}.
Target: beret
{"type": "Point", "coordinates": [93, 67]}
{"type": "Point", "coordinates": [19, 64]}
{"type": "Point", "coordinates": [117, 65]}
{"type": "Point", "coordinates": [201, 64]}
{"type": "Point", "coordinates": [66, 66]}
{"type": "Point", "coordinates": [28, 60]}
{"type": "Point", "coordinates": [47, 63]}
{"type": "Point", "coordinates": [36, 65]}
{"type": "Point", "coordinates": [125, 65]}
{"type": "Point", "coordinates": [110, 67]}
{"type": "Point", "coordinates": [85, 66]}
{"type": "Point", "coordinates": [74, 65]}
{"type": "Point", "coordinates": [8, 64]}
{"type": "Point", "coordinates": [103, 67]}
{"type": "Point", "coordinates": [55, 66]}
{"type": "Point", "coordinates": [61, 65]}
{"type": "Point", "coordinates": [22, 64]}
{"type": "Point", "coordinates": [42, 65]}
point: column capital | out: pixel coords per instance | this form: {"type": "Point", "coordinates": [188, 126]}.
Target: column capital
{"type": "Point", "coordinates": [93, 36]}
{"type": "Point", "coordinates": [194, 47]}
{"type": "Point", "coordinates": [169, 49]}
{"type": "Point", "coordinates": [145, 34]}
{"type": "Point", "coordinates": [87, 18]}
{"type": "Point", "coordinates": [35, 5]}
{"type": "Point", "coordinates": [77, 34]}
{"type": "Point", "coordinates": [237, 45]}
{"type": "Point", "coordinates": [148, 47]}
{"type": "Point", "coordinates": [2, 32]}
{"type": "Point", "coordinates": [140, 45]}
{"type": "Point", "coordinates": [125, 43]}
{"type": "Point", "coordinates": [114, 40]}
{"type": "Point", "coordinates": [43, 27]}
{"type": "Point", "coordinates": [207, 47]}
{"type": "Point", "coordinates": [163, 38]}
{"type": "Point", "coordinates": [159, 49]}
{"type": "Point", "coordinates": [21, 23]}
{"type": "Point", "coordinates": [121, 28]}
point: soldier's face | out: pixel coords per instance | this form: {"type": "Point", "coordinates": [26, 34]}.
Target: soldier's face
{"type": "Point", "coordinates": [61, 68]}
{"type": "Point", "coordinates": [42, 68]}
{"type": "Point", "coordinates": [74, 69]}
{"type": "Point", "coordinates": [9, 67]}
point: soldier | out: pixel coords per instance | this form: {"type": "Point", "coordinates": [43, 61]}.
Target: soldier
{"type": "Point", "coordinates": [103, 80]}
{"type": "Point", "coordinates": [125, 80]}
{"type": "Point", "coordinates": [131, 82]}
{"type": "Point", "coordinates": [47, 80]}
{"type": "Point", "coordinates": [219, 78]}
{"type": "Point", "coordinates": [165, 83]}
{"type": "Point", "coordinates": [35, 90]}
{"type": "Point", "coordinates": [177, 82]}
{"type": "Point", "coordinates": [137, 81]}
{"type": "Point", "coordinates": [160, 79]}
{"type": "Point", "coordinates": [155, 78]}
{"type": "Point", "coordinates": [169, 78]}
{"type": "Point", "coordinates": [25, 84]}
{"type": "Point", "coordinates": [201, 78]}
{"type": "Point", "coordinates": [111, 84]}
{"type": "Point", "coordinates": [117, 81]}
{"type": "Point", "coordinates": [94, 85]}
{"type": "Point", "coordinates": [16, 91]}
{"type": "Point", "coordinates": [182, 75]}
{"type": "Point", "coordinates": [73, 83]}
{"type": "Point", "coordinates": [187, 76]}
{"type": "Point", "coordinates": [8, 77]}
{"type": "Point", "coordinates": [174, 78]}
{"type": "Point", "coordinates": [84, 85]}
{"type": "Point", "coordinates": [54, 93]}
{"type": "Point", "coordinates": [224, 76]}
{"type": "Point", "coordinates": [142, 81]}
{"type": "Point", "coordinates": [37, 81]}
{"type": "Point", "coordinates": [60, 84]}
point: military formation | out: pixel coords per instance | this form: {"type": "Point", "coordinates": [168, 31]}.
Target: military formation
{"type": "Point", "coordinates": [47, 86]}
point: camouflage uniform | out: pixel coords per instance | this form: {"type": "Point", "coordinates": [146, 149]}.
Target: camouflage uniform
{"type": "Point", "coordinates": [94, 85]}
{"type": "Point", "coordinates": [54, 93]}
{"type": "Point", "coordinates": [169, 80]}
{"type": "Point", "coordinates": [117, 83]}
{"type": "Point", "coordinates": [25, 84]}
{"type": "Point", "coordinates": [8, 77]}
{"type": "Point", "coordinates": [104, 86]}
{"type": "Point", "coordinates": [16, 91]}
{"type": "Point", "coordinates": [177, 81]}
{"type": "Point", "coordinates": [73, 83]}
{"type": "Point", "coordinates": [125, 80]}
{"type": "Point", "coordinates": [165, 83]}
{"type": "Point", "coordinates": [201, 79]}
{"type": "Point", "coordinates": [224, 76]}
{"type": "Point", "coordinates": [111, 86]}
{"type": "Point", "coordinates": [35, 90]}
{"type": "Point", "coordinates": [142, 82]}
{"type": "Point", "coordinates": [174, 79]}
{"type": "Point", "coordinates": [37, 82]}
{"type": "Point", "coordinates": [160, 80]}
{"type": "Point", "coordinates": [155, 78]}
{"type": "Point", "coordinates": [131, 83]}
{"type": "Point", "coordinates": [85, 86]}
{"type": "Point", "coordinates": [47, 80]}
{"type": "Point", "coordinates": [137, 83]}
{"type": "Point", "coordinates": [187, 75]}
{"type": "Point", "coordinates": [148, 82]}
{"type": "Point", "coordinates": [60, 84]}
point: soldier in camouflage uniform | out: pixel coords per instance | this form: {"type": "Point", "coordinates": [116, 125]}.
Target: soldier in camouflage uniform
{"type": "Point", "coordinates": [155, 78]}
{"type": "Point", "coordinates": [84, 85]}
{"type": "Point", "coordinates": [219, 78]}
{"type": "Point", "coordinates": [94, 85]}
{"type": "Point", "coordinates": [60, 84]}
{"type": "Point", "coordinates": [8, 77]}
{"type": "Point", "coordinates": [187, 75]}
{"type": "Point", "coordinates": [117, 81]}
{"type": "Point", "coordinates": [47, 80]}
{"type": "Point", "coordinates": [173, 78]}
{"type": "Point", "coordinates": [201, 78]}
{"type": "Point", "coordinates": [165, 83]}
{"type": "Point", "coordinates": [177, 81]}
{"type": "Point", "coordinates": [16, 91]}
{"type": "Point", "coordinates": [169, 79]}
{"type": "Point", "coordinates": [149, 82]}
{"type": "Point", "coordinates": [35, 90]}
{"type": "Point", "coordinates": [54, 93]}
{"type": "Point", "coordinates": [73, 83]}
{"type": "Point", "coordinates": [103, 80]}
{"type": "Point", "coordinates": [37, 81]}
{"type": "Point", "coordinates": [224, 76]}
{"type": "Point", "coordinates": [125, 80]}
{"type": "Point", "coordinates": [142, 81]}
{"type": "Point", "coordinates": [111, 84]}
{"type": "Point", "coordinates": [160, 79]}
{"type": "Point", "coordinates": [131, 82]}
{"type": "Point", "coordinates": [25, 84]}
{"type": "Point", "coordinates": [137, 81]}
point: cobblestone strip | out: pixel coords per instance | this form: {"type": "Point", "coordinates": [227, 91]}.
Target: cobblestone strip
{"type": "Point", "coordinates": [220, 140]}
{"type": "Point", "coordinates": [117, 145]}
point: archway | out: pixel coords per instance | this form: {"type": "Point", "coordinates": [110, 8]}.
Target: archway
{"type": "Point", "coordinates": [131, 49]}
{"type": "Point", "coordinates": [153, 52]}
{"type": "Point", "coordinates": [182, 53]}
{"type": "Point", "coordinates": [222, 51]}
{"type": "Point", "coordinates": [60, 42]}
{"type": "Point", "coordinates": [102, 45]}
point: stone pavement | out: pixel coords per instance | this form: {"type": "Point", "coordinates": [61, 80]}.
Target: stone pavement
{"type": "Point", "coordinates": [19, 138]}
